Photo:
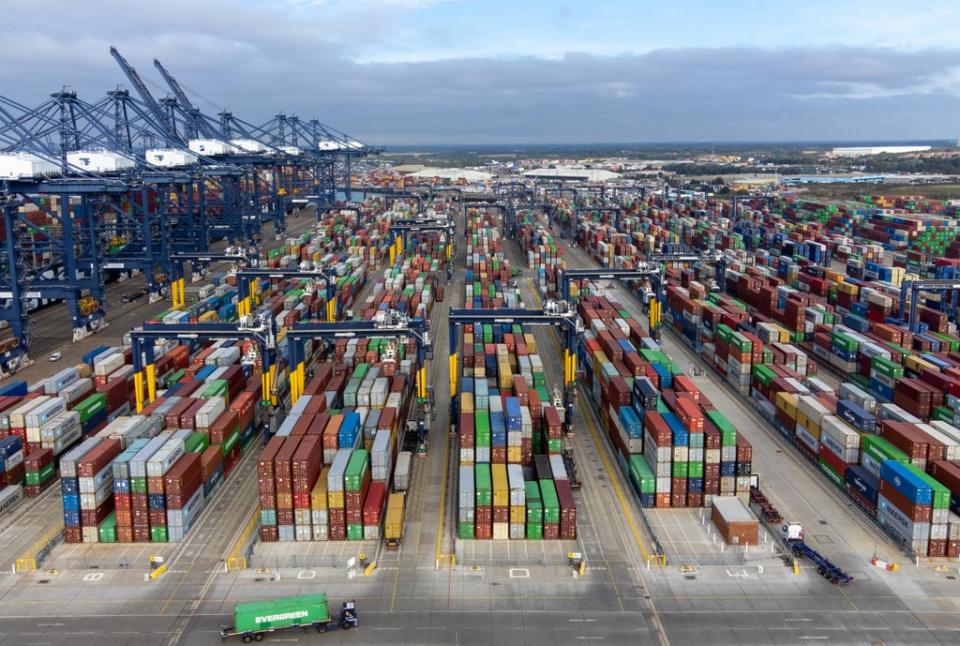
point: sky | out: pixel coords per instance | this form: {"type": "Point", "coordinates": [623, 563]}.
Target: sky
{"type": "Point", "coordinates": [430, 72]}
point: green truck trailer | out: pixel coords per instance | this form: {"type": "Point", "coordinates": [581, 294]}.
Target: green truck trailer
{"type": "Point", "coordinates": [251, 621]}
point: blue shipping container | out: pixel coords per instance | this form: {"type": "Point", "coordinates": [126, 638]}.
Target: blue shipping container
{"type": "Point", "coordinates": [905, 479]}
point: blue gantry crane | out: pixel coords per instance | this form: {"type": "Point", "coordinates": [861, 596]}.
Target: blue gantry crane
{"type": "Point", "coordinates": [910, 298]}
{"type": "Point", "coordinates": [109, 202]}
{"type": "Point", "coordinates": [556, 313]}
{"type": "Point", "coordinates": [262, 330]}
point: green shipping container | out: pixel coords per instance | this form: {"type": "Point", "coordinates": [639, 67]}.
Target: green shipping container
{"type": "Point", "coordinates": [886, 368]}
{"type": "Point", "coordinates": [641, 475]}
{"type": "Point", "coordinates": [833, 475]}
{"type": "Point", "coordinates": [216, 388]}
{"type": "Point", "coordinates": [38, 478]}
{"type": "Point", "coordinates": [728, 434]}
{"type": "Point", "coordinates": [764, 375]}
{"type": "Point", "coordinates": [483, 485]}
{"type": "Point", "coordinates": [551, 504]}
{"type": "Point", "coordinates": [91, 406]}
{"type": "Point", "coordinates": [158, 534]}
{"type": "Point", "coordinates": [196, 443]}
{"type": "Point", "coordinates": [231, 441]}
{"type": "Point", "coordinates": [694, 469]}
{"type": "Point", "coordinates": [534, 531]}
{"type": "Point", "coordinates": [280, 613]}
{"type": "Point", "coordinates": [108, 529]}
{"type": "Point", "coordinates": [138, 485]}
{"type": "Point", "coordinates": [356, 470]}
{"type": "Point", "coordinates": [465, 530]}
{"type": "Point", "coordinates": [943, 414]}
{"type": "Point", "coordinates": [680, 469]}
{"type": "Point", "coordinates": [354, 532]}
{"type": "Point", "coordinates": [880, 449]}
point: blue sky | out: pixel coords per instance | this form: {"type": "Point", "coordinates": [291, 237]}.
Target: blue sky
{"type": "Point", "coordinates": [493, 71]}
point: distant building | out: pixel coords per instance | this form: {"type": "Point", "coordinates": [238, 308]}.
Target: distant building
{"type": "Point", "coordinates": [581, 174]}
{"type": "Point", "coordinates": [452, 174]}
{"type": "Point", "coordinates": [860, 151]}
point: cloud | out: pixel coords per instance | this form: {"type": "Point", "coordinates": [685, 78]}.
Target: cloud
{"type": "Point", "coordinates": [256, 62]}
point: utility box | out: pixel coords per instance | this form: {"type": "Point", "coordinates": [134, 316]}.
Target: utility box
{"type": "Point", "coordinates": [735, 522]}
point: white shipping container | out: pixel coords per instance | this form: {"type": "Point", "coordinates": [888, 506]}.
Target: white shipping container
{"type": "Point", "coordinates": [19, 414]}
{"type": "Point", "coordinates": [103, 366]}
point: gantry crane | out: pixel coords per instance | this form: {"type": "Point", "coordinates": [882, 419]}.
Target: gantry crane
{"type": "Point", "coordinates": [556, 313]}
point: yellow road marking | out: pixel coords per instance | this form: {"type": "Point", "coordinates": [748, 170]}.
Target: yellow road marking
{"type": "Point", "coordinates": [235, 561]}
{"type": "Point", "coordinates": [27, 562]}
{"type": "Point", "coordinates": [614, 482]}
{"type": "Point", "coordinates": [443, 499]}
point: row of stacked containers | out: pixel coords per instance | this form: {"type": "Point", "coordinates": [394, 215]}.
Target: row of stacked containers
{"type": "Point", "coordinates": [542, 253]}
{"type": "Point", "coordinates": [334, 470]}
{"type": "Point", "coordinates": [676, 449]}
{"type": "Point", "coordinates": [143, 477]}
{"type": "Point", "coordinates": [889, 434]}
{"type": "Point", "coordinates": [513, 481]}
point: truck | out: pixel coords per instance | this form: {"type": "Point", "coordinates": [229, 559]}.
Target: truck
{"type": "Point", "coordinates": [251, 621]}
{"type": "Point", "coordinates": [790, 534]}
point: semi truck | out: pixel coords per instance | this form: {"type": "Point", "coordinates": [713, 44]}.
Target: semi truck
{"type": "Point", "coordinates": [251, 621]}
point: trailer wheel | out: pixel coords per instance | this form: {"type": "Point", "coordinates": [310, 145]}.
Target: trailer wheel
{"type": "Point", "coordinates": [321, 628]}
{"type": "Point", "coordinates": [258, 637]}
{"type": "Point", "coordinates": [247, 638]}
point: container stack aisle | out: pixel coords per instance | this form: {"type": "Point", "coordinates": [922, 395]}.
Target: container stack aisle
{"type": "Point", "coordinates": [335, 469]}
{"type": "Point", "coordinates": [507, 417]}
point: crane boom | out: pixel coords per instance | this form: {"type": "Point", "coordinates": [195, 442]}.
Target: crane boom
{"type": "Point", "coordinates": [199, 124]}
{"type": "Point", "coordinates": [144, 93]}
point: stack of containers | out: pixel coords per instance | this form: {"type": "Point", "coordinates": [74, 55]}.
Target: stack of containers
{"type": "Point", "coordinates": [95, 487]}
{"type": "Point", "coordinates": [306, 466]}
{"type": "Point", "coordinates": [12, 467]}
{"type": "Point", "coordinates": [337, 516]}
{"type": "Point", "coordinates": [183, 485]}
{"type": "Point", "coordinates": [504, 424]}
{"type": "Point", "coordinates": [356, 483]}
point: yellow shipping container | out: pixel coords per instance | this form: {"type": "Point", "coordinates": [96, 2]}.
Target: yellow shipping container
{"type": "Point", "coordinates": [318, 497]}
{"type": "Point", "coordinates": [393, 524]}
{"type": "Point", "coordinates": [514, 455]}
{"type": "Point", "coordinates": [501, 485]}
{"type": "Point", "coordinates": [914, 363]}
{"type": "Point", "coordinates": [787, 402]}
{"type": "Point", "coordinates": [518, 514]}
{"type": "Point", "coordinates": [531, 342]}
{"type": "Point", "coordinates": [834, 276]}
{"type": "Point", "coordinates": [897, 275]}
{"type": "Point", "coordinates": [466, 402]}
{"type": "Point", "coordinates": [335, 499]}
{"type": "Point", "coordinates": [208, 317]}
{"type": "Point", "coordinates": [784, 334]}
{"type": "Point", "coordinates": [848, 288]}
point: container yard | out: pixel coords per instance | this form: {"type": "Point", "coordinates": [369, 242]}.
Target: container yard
{"type": "Point", "coordinates": [536, 400]}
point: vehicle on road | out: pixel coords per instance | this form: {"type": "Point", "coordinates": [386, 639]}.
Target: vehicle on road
{"type": "Point", "coordinates": [56, 356]}
{"type": "Point", "coordinates": [251, 621]}
{"type": "Point", "coordinates": [129, 298]}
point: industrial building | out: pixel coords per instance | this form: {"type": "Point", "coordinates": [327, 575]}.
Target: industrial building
{"type": "Point", "coordinates": [863, 151]}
